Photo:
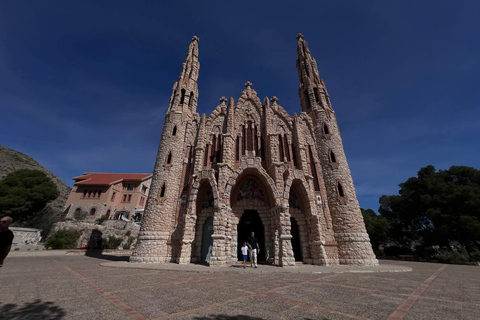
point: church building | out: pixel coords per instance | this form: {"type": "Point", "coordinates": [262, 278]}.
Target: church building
{"type": "Point", "coordinates": [250, 166]}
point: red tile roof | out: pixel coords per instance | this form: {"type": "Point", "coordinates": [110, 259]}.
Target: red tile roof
{"type": "Point", "coordinates": [106, 179]}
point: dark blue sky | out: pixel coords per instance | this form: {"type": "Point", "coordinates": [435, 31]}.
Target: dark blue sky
{"type": "Point", "coordinates": [84, 85]}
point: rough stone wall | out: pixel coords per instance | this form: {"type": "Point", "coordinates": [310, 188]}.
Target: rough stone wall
{"type": "Point", "coordinates": [91, 234]}
{"type": "Point", "coordinates": [25, 237]}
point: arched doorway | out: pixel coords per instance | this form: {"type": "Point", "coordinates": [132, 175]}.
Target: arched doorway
{"type": "Point", "coordinates": [296, 244]}
{"type": "Point", "coordinates": [251, 222]}
{"type": "Point", "coordinates": [207, 240]}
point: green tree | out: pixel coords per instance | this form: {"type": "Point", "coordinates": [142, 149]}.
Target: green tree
{"type": "Point", "coordinates": [436, 207]}
{"type": "Point", "coordinates": [25, 192]}
{"type": "Point", "coordinates": [377, 227]}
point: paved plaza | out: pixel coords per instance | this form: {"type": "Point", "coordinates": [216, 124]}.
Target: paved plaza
{"type": "Point", "coordinates": [78, 287]}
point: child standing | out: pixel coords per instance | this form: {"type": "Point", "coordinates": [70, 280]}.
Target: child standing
{"type": "Point", "coordinates": [244, 253]}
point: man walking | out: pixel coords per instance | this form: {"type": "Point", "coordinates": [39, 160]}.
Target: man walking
{"type": "Point", "coordinates": [254, 249]}
{"type": "Point", "coordinates": [6, 238]}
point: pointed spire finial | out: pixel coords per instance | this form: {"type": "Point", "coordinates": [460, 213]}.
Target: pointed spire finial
{"type": "Point", "coordinates": [223, 100]}
{"type": "Point", "coordinates": [299, 36]}
{"type": "Point", "coordinates": [248, 85]}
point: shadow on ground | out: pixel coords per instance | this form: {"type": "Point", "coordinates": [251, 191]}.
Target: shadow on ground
{"type": "Point", "coordinates": [237, 317]}
{"type": "Point", "coordinates": [98, 254]}
{"type": "Point", "coordinates": [31, 311]}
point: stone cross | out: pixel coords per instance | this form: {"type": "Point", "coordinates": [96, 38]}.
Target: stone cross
{"type": "Point", "coordinates": [274, 100]}
{"type": "Point", "coordinates": [195, 38]}
{"type": "Point", "coordinates": [248, 85]}
{"type": "Point", "coordinates": [299, 36]}
{"type": "Point", "coordinates": [223, 100]}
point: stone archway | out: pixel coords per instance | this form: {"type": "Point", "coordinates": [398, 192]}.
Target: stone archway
{"type": "Point", "coordinates": [303, 210]}
{"type": "Point", "coordinates": [251, 222]}
{"type": "Point", "coordinates": [197, 214]}
{"type": "Point", "coordinates": [251, 191]}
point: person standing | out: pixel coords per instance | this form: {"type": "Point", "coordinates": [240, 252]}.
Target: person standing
{"type": "Point", "coordinates": [244, 253]}
{"type": "Point", "coordinates": [254, 249]}
{"type": "Point", "coordinates": [6, 238]}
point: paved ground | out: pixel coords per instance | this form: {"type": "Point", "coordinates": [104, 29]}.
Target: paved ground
{"type": "Point", "coordinates": [77, 287]}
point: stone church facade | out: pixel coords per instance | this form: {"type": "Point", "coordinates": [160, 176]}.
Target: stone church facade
{"type": "Point", "coordinates": [250, 166]}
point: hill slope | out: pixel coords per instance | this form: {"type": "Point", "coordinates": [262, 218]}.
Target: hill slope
{"type": "Point", "coordinates": [11, 160]}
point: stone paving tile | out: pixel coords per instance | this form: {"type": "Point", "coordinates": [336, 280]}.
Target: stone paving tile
{"type": "Point", "coordinates": [375, 305]}
{"type": "Point", "coordinates": [156, 302]}
{"type": "Point", "coordinates": [252, 308]}
{"type": "Point", "coordinates": [428, 309]}
{"type": "Point", "coordinates": [207, 295]}
{"type": "Point", "coordinates": [92, 309]}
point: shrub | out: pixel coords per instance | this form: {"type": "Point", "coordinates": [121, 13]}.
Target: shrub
{"type": "Point", "coordinates": [63, 239]}
{"type": "Point", "coordinates": [79, 215]}
{"type": "Point", "coordinates": [452, 256]}
{"type": "Point", "coordinates": [111, 242]}
{"type": "Point", "coordinates": [129, 242]}
{"type": "Point", "coordinates": [101, 220]}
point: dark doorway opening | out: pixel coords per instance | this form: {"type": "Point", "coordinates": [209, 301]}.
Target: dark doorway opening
{"type": "Point", "coordinates": [296, 244]}
{"type": "Point", "coordinates": [251, 222]}
{"type": "Point", "coordinates": [207, 240]}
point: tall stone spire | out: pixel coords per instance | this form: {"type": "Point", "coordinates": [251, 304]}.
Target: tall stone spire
{"type": "Point", "coordinates": [185, 90]}
{"type": "Point", "coordinates": [350, 236]}
{"type": "Point", "coordinates": [312, 91]}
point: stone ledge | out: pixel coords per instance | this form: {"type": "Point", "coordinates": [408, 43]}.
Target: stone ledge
{"type": "Point", "coordinates": [237, 268]}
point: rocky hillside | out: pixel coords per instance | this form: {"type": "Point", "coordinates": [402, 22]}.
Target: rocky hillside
{"type": "Point", "coordinates": [11, 160]}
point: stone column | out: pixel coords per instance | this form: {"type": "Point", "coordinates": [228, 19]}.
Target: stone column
{"type": "Point", "coordinates": [188, 235]}
{"type": "Point", "coordinates": [218, 250]}
{"type": "Point", "coordinates": [286, 257]}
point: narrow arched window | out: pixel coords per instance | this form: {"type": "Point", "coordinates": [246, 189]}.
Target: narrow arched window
{"type": "Point", "coordinates": [340, 190]}
{"type": "Point", "coordinates": [182, 99]}
{"type": "Point", "coordinates": [280, 148]}
{"type": "Point", "coordinates": [190, 100]}
{"type": "Point", "coordinates": [332, 157]}
{"type": "Point", "coordinates": [317, 96]}
{"type": "Point", "coordinates": [325, 129]}
{"type": "Point", "coordinates": [174, 131]}
{"type": "Point", "coordinates": [287, 148]}
{"type": "Point", "coordinates": [237, 149]}
{"type": "Point", "coordinates": [93, 211]}
{"type": "Point", "coordinates": [169, 158]}
{"type": "Point", "coordinates": [163, 190]}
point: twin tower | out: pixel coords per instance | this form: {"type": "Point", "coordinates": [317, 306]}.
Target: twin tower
{"type": "Point", "coordinates": [251, 167]}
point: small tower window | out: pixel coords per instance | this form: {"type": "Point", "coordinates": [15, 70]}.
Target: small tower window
{"type": "Point", "coordinates": [169, 158]}
{"type": "Point", "coordinates": [332, 157]}
{"type": "Point", "coordinates": [174, 131]}
{"type": "Point", "coordinates": [325, 129]}
{"type": "Point", "coordinates": [317, 96]}
{"type": "Point", "coordinates": [93, 211]}
{"type": "Point", "coordinates": [162, 191]}
{"type": "Point", "coordinates": [340, 190]}
{"type": "Point", "coordinates": [182, 99]}
{"type": "Point", "coordinates": [190, 100]}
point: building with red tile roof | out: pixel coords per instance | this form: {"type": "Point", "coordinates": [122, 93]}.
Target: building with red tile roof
{"type": "Point", "coordinates": [113, 195]}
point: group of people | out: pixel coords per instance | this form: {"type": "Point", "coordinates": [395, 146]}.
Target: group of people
{"type": "Point", "coordinates": [6, 238]}
{"type": "Point", "coordinates": [251, 245]}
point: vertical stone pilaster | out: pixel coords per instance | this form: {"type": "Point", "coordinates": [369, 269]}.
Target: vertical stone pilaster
{"type": "Point", "coordinates": [219, 238]}
{"type": "Point", "coordinates": [286, 257]}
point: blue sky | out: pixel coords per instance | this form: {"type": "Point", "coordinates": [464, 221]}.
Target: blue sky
{"type": "Point", "coordinates": [84, 85]}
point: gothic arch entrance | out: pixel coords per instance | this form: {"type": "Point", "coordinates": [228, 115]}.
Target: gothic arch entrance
{"type": "Point", "coordinates": [251, 222]}
{"type": "Point", "coordinates": [207, 240]}
{"type": "Point", "coordinates": [296, 244]}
